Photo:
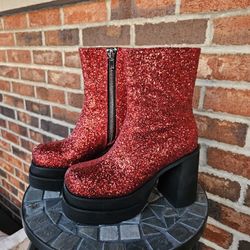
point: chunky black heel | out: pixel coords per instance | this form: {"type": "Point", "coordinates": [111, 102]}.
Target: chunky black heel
{"type": "Point", "coordinates": [179, 184]}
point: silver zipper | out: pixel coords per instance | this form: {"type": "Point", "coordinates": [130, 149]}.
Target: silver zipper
{"type": "Point", "coordinates": [111, 52]}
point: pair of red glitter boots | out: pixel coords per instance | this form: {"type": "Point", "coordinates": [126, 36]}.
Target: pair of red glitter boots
{"type": "Point", "coordinates": [136, 130]}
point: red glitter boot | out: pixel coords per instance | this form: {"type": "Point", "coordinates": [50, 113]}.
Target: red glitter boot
{"type": "Point", "coordinates": [158, 142]}
{"type": "Point", "coordinates": [97, 127]}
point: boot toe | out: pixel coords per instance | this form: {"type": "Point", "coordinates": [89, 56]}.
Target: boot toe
{"type": "Point", "coordinates": [93, 179]}
{"type": "Point", "coordinates": [49, 155]}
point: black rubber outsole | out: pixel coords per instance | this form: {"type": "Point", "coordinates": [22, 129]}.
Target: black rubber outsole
{"type": "Point", "coordinates": [177, 182]}
{"type": "Point", "coordinates": [46, 178]}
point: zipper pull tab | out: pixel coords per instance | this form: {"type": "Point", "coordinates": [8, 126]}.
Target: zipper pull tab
{"type": "Point", "coordinates": [111, 56]}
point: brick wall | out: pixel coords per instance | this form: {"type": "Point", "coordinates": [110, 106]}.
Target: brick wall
{"type": "Point", "coordinates": [41, 90]}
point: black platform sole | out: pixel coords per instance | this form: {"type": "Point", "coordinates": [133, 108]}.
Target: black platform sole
{"type": "Point", "coordinates": [177, 182]}
{"type": "Point", "coordinates": [46, 178]}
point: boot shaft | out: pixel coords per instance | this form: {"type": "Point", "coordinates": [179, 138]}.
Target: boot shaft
{"type": "Point", "coordinates": [162, 78]}
{"type": "Point", "coordinates": [97, 96]}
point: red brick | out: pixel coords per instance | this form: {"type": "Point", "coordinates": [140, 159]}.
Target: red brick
{"type": "Point", "coordinates": [38, 108]}
{"type": "Point", "coordinates": [18, 21]}
{"type": "Point", "coordinates": [10, 137]}
{"type": "Point", "coordinates": [44, 17]}
{"type": "Point", "coordinates": [27, 145]}
{"type": "Point", "coordinates": [15, 201]}
{"type": "Point", "coordinates": [6, 167]}
{"type": "Point", "coordinates": [230, 217]}
{"type": "Point", "coordinates": [65, 115]}
{"type": "Point", "coordinates": [244, 245]}
{"type": "Point", "coordinates": [27, 119]}
{"type": "Point", "coordinates": [62, 37]}
{"type": "Point", "coordinates": [54, 128]}
{"type": "Point", "coordinates": [19, 56]}
{"type": "Point", "coordinates": [22, 154]}
{"type": "Point", "coordinates": [7, 39]}
{"type": "Point", "coordinates": [37, 75]}
{"type": "Point", "coordinates": [232, 30]}
{"type": "Point", "coordinates": [228, 100]}
{"type": "Point", "coordinates": [12, 160]}
{"type": "Point", "coordinates": [18, 129]}
{"type": "Point", "coordinates": [13, 101]}
{"type": "Point", "coordinates": [39, 137]}
{"type": "Point", "coordinates": [247, 197]}
{"type": "Point", "coordinates": [187, 31]}
{"type": "Point", "coordinates": [7, 71]}
{"type": "Point", "coordinates": [51, 95]}
{"type": "Point", "coordinates": [48, 57]}
{"type": "Point", "coordinates": [4, 145]}
{"type": "Point", "coordinates": [1, 24]}
{"type": "Point", "coordinates": [192, 6]}
{"type": "Point", "coordinates": [218, 236]}
{"type": "Point", "coordinates": [85, 12]}
{"type": "Point", "coordinates": [11, 188]}
{"type": "Point", "coordinates": [36, 136]}
{"type": "Point", "coordinates": [2, 123]}
{"type": "Point", "coordinates": [235, 163]}
{"type": "Point", "coordinates": [223, 131]}
{"type": "Point", "coordinates": [224, 67]}
{"type": "Point", "coordinates": [75, 100]}
{"type": "Point", "coordinates": [106, 35]}
{"type": "Point", "coordinates": [196, 97]}
{"type": "Point", "coordinates": [15, 182]}
{"type": "Point", "coordinates": [23, 89]}
{"type": "Point", "coordinates": [220, 186]}
{"type": "Point", "coordinates": [64, 79]}
{"type": "Point", "coordinates": [121, 9]}
{"type": "Point", "coordinates": [72, 59]}
{"type": "Point", "coordinates": [4, 85]}
{"type": "Point", "coordinates": [29, 38]}
{"type": "Point", "coordinates": [21, 175]}
{"type": "Point", "coordinates": [7, 112]}
{"type": "Point", "coordinates": [3, 56]}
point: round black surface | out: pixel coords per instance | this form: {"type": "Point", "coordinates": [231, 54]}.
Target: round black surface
{"type": "Point", "coordinates": [158, 226]}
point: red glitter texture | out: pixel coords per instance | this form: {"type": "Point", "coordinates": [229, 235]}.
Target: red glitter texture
{"type": "Point", "coordinates": [159, 126]}
{"type": "Point", "coordinates": [89, 138]}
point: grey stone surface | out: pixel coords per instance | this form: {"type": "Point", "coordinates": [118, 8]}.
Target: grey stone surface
{"type": "Point", "coordinates": [191, 220]}
{"type": "Point", "coordinates": [158, 226]}
{"type": "Point", "coordinates": [51, 194]}
{"type": "Point", "coordinates": [147, 213]}
{"type": "Point", "coordinates": [148, 230]}
{"type": "Point", "coordinates": [68, 225]}
{"type": "Point", "coordinates": [54, 216]}
{"type": "Point", "coordinates": [156, 222]}
{"type": "Point", "coordinates": [137, 245]}
{"type": "Point", "coordinates": [33, 195]}
{"type": "Point", "coordinates": [108, 233]}
{"type": "Point", "coordinates": [134, 220]}
{"type": "Point", "coordinates": [159, 242]}
{"type": "Point", "coordinates": [198, 209]}
{"type": "Point", "coordinates": [170, 220]}
{"type": "Point", "coordinates": [66, 241]}
{"type": "Point", "coordinates": [201, 198]}
{"type": "Point", "coordinates": [34, 208]}
{"type": "Point", "coordinates": [48, 232]}
{"type": "Point", "coordinates": [180, 232]}
{"type": "Point", "coordinates": [129, 232]}
{"type": "Point", "coordinates": [88, 231]}
{"type": "Point", "coordinates": [88, 244]}
{"type": "Point", "coordinates": [158, 210]}
{"type": "Point", "coordinates": [37, 221]}
{"type": "Point", "coordinates": [114, 246]}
